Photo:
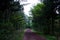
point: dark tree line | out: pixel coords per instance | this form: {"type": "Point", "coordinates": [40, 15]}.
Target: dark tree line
{"type": "Point", "coordinates": [45, 16]}
{"type": "Point", "coordinates": [11, 19]}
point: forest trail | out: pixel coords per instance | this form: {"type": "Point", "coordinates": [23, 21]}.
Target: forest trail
{"type": "Point", "coordinates": [29, 35]}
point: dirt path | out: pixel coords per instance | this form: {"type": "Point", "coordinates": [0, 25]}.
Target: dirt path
{"type": "Point", "coordinates": [32, 36]}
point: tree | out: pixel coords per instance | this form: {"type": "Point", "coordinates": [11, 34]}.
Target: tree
{"type": "Point", "coordinates": [38, 17]}
{"type": "Point", "coordinates": [44, 16]}
{"type": "Point", "coordinates": [50, 6]}
{"type": "Point", "coordinates": [12, 20]}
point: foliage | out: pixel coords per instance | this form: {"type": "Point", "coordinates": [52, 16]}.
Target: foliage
{"type": "Point", "coordinates": [44, 17]}
{"type": "Point", "coordinates": [51, 15]}
{"type": "Point", "coordinates": [38, 8]}
{"type": "Point", "coordinates": [10, 21]}
{"type": "Point", "coordinates": [38, 17]}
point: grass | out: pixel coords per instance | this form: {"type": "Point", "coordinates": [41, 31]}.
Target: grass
{"type": "Point", "coordinates": [48, 37]}
{"type": "Point", "coordinates": [21, 35]}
